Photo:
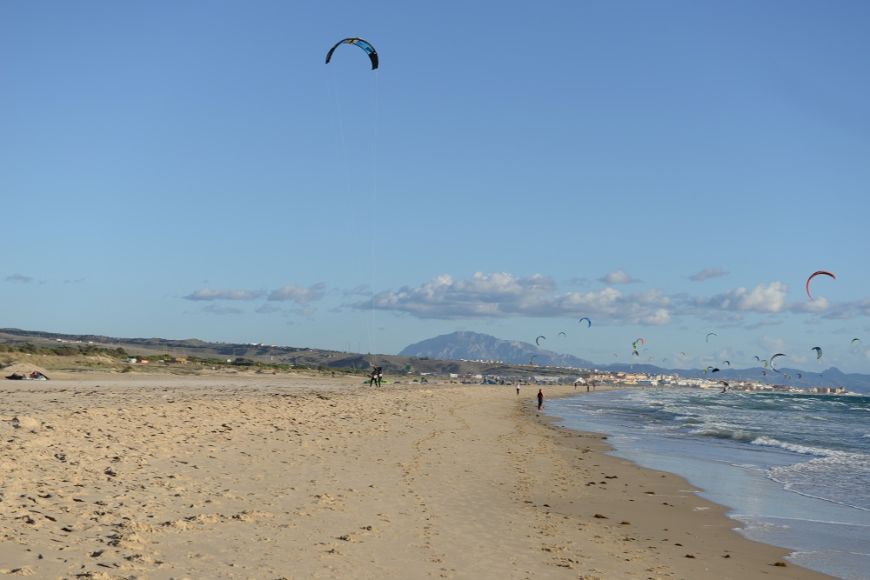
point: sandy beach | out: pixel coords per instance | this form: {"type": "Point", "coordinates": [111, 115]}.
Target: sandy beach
{"type": "Point", "coordinates": [110, 476]}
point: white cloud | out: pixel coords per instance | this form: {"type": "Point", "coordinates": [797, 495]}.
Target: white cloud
{"type": "Point", "coordinates": [660, 317]}
{"type": "Point", "coordinates": [296, 294]}
{"type": "Point", "coordinates": [707, 273]}
{"type": "Point", "coordinates": [813, 306]}
{"type": "Point", "coordinates": [501, 295]}
{"type": "Point", "coordinates": [618, 277]}
{"type": "Point", "coordinates": [763, 298]}
{"type": "Point", "coordinates": [505, 295]}
{"type": "Point", "coordinates": [299, 294]}
{"type": "Point", "coordinates": [207, 294]}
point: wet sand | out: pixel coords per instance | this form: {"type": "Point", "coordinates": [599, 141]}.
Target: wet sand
{"type": "Point", "coordinates": [275, 477]}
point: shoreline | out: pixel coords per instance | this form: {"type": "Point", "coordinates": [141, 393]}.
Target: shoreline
{"type": "Point", "coordinates": [286, 477]}
{"type": "Point", "coordinates": [712, 452]}
{"type": "Point", "coordinates": [685, 507]}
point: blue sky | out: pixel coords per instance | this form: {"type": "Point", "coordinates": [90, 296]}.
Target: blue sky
{"type": "Point", "coordinates": [668, 169]}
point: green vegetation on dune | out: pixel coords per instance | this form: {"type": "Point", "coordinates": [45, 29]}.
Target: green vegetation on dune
{"type": "Point", "coordinates": [77, 357]}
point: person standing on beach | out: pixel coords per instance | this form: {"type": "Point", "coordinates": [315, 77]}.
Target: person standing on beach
{"type": "Point", "coordinates": [540, 399]}
{"type": "Point", "coordinates": [518, 389]}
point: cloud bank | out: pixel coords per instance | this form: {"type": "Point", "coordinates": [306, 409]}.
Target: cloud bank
{"type": "Point", "coordinates": [763, 298]}
{"type": "Point", "coordinates": [503, 295]}
{"type": "Point", "coordinates": [207, 295]}
{"type": "Point", "coordinates": [708, 273]}
{"type": "Point", "coordinates": [298, 294]}
{"type": "Point", "coordinates": [618, 277]}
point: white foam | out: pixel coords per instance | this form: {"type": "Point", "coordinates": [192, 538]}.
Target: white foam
{"type": "Point", "coordinates": [812, 478]}
{"type": "Point", "coordinates": [793, 447]}
{"type": "Point", "coordinates": [723, 431]}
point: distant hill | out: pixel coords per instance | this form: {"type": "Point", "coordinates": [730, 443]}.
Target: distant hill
{"type": "Point", "coordinates": [298, 357]}
{"type": "Point", "coordinates": [475, 346]}
{"type": "Point", "coordinates": [831, 377]}
{"type": "Point", "coordinates": [449, 353]}
{"type": "Point", "coordinates": [464, 345]}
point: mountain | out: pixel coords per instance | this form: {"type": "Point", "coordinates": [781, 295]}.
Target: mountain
{"type": "Point", "coordinates": [853, 381]}
{"type": "Point", "coordinates": [464, 345]}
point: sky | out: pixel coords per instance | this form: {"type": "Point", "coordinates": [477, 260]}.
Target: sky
{"type": "Point", "coordinates": [668, 169]}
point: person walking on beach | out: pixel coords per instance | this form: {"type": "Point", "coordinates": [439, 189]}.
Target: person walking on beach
{"type": "Point", "coordinates": [518, 389]}
{"type": "Point", "coordinates": [376, 376]}
{"type": "Point", "coordinates": [540, 399]}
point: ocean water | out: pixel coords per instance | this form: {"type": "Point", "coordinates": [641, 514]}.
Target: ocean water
{"type": "Point", "coordinates": [793, 469]}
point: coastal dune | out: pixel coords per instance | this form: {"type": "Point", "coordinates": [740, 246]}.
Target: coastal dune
{"type": "Point", "coordinates": [308, 477]}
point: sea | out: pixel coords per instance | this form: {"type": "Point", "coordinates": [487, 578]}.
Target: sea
{"type": "Point", "coordinates": [793, 469]}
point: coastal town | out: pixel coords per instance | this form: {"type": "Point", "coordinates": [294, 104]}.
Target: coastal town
{"type": "Point", "coordinates": [594, 377]}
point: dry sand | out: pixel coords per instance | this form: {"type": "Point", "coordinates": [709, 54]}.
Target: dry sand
{"type": "Point", "coordinates": [275, 477]}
